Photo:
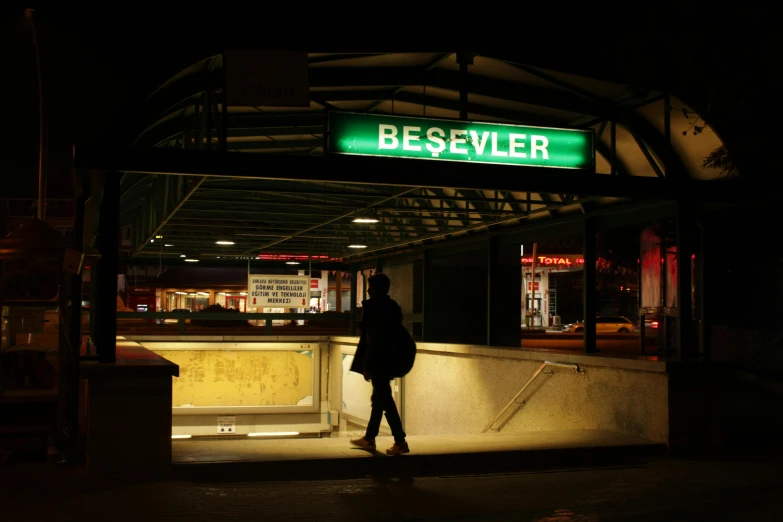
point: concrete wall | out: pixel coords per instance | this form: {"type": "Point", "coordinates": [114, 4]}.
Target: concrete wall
{"type": "Point", "coordinates": [459, 389]}
{"type": "Point", "coordinates": [462, 392]}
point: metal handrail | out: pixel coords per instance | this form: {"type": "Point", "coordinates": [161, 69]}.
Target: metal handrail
{"type": "Point", "coordinates": [543, 365]}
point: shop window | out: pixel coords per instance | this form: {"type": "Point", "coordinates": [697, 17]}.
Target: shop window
{"type": "Point", "coordinates": [232, 300]}
{"type": "Point", "coordinates": [193, 301]}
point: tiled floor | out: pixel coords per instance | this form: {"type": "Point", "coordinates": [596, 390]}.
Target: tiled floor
{"type": "Point", "coordinates": [265, 450]}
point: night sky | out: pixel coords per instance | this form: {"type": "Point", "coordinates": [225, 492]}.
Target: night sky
{"type": "Point", "coordinates": [98, 66]}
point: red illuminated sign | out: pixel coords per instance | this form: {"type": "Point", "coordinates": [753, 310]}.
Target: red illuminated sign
{"type": "Point", "coordinates": [562, 261]}
{"type": "Point", "coordinates": [530, 286]}
{"type": "Point", "coordinates": [291, 257]}
{"type": "Point", "coordinates": [314, 284]}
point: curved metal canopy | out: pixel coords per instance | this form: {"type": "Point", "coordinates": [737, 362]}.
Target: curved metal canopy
{"type": "Point", "coordinates": [274, 218]}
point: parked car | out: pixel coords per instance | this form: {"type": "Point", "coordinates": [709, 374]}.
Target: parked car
{"type": "Point", "coordinates": [605, 324]}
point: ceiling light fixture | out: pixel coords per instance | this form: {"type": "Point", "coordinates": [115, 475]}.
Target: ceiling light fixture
{"type": "Point", "coordinates": [168, 244]}
{"type": "Point", "coordinates": [357, 243]}
{"type": "Point", "coordinates": [182, 255]}
{"type": "Point", "coordinates": [223, 242]}
{"type": "Point", "coordinates": [188, 260]}
{"type": "Point", "coordinates": [365, 216]}
{"type": "Point", "coordinates": [292, 262]}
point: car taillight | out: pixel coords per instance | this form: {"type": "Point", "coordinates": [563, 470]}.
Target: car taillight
{"type": "Point", "coordinates": [654, 324]}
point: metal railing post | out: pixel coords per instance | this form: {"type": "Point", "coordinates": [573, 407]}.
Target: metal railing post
{"type": "Point", "coordinates": [524, 387]}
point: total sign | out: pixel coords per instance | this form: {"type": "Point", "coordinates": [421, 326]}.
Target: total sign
{"type": "Point", "coordinates": [278, 291]}
{"type": "Point", "coordinates": [454, 140]}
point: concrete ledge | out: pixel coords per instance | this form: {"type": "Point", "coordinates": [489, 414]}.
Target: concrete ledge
{"type": "Point", "coordinates": [639, 363]}
{"type": "Point", "coordinates": [128, 413]}
{"type": "Point", "coordinates": [227, 338]}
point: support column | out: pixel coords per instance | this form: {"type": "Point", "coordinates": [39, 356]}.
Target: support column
{"type": "Point", "coordinates": [702, 296]}
{"type": "Point", "coordinates": [105, 280]}
{"type": "Point", "coordinates": [426, 298]}
{"type": "Point", "coordinates": [338, 290]}
{"type": "Point", "coordinates": [589, 295]}
{"type": "Point", "coordinates": [686, 340]}
{"type": "Point", "coordinates": [354, 290]}
{"type": "Point", "coordinates": [504, 293]}
{"type": "Point", "coordinates": [639, 305]}
{"type": "Point", "coordinates": [464, 59]}
{"type": "Point", "coordinates": [68, 413]}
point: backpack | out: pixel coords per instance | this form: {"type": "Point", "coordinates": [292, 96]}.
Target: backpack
{"type": "Point", "coordinates": [403, 352]}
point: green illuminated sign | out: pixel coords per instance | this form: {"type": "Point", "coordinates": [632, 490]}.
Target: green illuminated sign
{"type": "Point", "coordinates": [454, 140]}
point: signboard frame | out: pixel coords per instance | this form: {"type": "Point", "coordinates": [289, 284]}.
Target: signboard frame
{"type": "Point", "coordinates": [351, 133]}
{"type": "Point", "coordinates": [262, 289]}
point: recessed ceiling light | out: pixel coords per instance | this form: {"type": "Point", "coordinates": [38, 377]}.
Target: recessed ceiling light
{"type": "Point", "coordinates": [191, 260]}
{"type": "Point", "coordinates": [292, 262]}
{"type": "Point", "coordinates": [364, 216]}
{"type": "Point", "coordinates": [357, 245]}
{"type": "Point", "coordinates": [168, 244]}
{"type": "Point", "coordinates": [222, 242]}
{"type": "Point", "coordinates": [182, 255]}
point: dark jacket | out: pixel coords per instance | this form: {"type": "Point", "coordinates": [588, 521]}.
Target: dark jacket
{"type": "Point", "coordinates": [381, 318]}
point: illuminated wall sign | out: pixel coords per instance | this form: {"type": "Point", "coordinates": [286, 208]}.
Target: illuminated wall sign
{"type": "Point", "coordinates": [278, 291]}
{"type": "Point", "coordinates": [453, 140]}
{"type": "Point", "coordinates": [565, 261]}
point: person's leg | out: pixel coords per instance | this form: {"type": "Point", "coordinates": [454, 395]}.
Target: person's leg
{"type": "Point", "coordinates": [383, 395]}
{"type": "Point", "coordinates": [378, 400]}
{"type": "Point", "coordinates": [393, 417]}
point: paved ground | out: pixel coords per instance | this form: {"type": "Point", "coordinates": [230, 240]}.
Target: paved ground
{"type": "Point", "coordinates": [669, 491]}
{"type": "Point", "coordinates": [295, 449]}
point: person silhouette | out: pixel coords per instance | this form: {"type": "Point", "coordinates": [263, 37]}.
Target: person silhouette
{"type": "Point", "coordinates": [380, 319]}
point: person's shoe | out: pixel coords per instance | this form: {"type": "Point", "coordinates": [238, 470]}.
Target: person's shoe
{"type": "Point", "coordinates": [398, 449]}
{"type": "Point", "coordinates": [365, 444]}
